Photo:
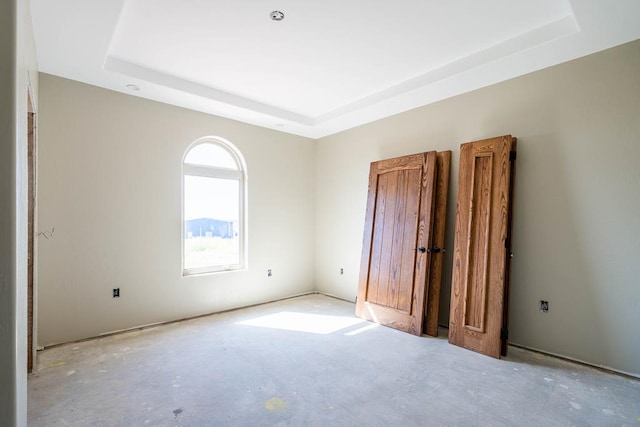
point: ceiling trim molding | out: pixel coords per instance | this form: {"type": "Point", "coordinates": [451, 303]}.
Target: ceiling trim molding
{"type": "Point", "coordinates": [560, 28]}
{"type": "Point", "coordinates": [554, 30]}
{"type": "Point", "coordinates": [167, 80]}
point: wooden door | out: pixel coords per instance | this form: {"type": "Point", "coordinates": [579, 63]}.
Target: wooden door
{"type": "Point", "coordinates": [479, 290]}
{"type": "Point", "coordinates": [443, 165]}
{"type": "Point", "coordinates": [397, 237]}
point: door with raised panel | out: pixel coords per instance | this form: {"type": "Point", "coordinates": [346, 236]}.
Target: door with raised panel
{"type": "Point", "coordinates": [480, 279]}
{"type": "Point", "coordinates": [397, 241]}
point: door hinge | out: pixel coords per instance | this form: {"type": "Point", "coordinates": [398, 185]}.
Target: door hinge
{"type": "Point", "coordinates": [512, 155]}
{"type": "Point", "coordinates": [504, 334]}
{"type": "Point", "coordinates": [507, 243]}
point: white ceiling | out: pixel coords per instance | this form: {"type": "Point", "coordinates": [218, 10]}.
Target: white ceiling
{"type": "Point", "coordinates": [328, 66]}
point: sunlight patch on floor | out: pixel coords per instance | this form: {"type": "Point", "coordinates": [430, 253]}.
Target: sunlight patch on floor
{"type": "Point", "coordinates": [303, 322]}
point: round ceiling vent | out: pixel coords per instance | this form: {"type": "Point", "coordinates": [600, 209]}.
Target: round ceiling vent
{"type": "Point", "coordinates": [276, 15]}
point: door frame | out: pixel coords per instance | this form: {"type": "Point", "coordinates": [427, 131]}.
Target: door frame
{"type": "Point", "coordinates": [31, 230]}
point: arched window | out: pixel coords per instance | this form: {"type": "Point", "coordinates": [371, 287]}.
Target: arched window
{"type": "Point", "coordinates": [213, 207]}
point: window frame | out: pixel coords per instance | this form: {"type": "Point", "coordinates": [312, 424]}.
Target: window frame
{"type": "Point", "coordinates": [240, 175]}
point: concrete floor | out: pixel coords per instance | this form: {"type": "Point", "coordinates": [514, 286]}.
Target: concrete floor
{"type": "Point", "coordinates": [248, 368]}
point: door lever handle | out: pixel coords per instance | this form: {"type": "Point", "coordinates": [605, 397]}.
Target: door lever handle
{"type": "Point", "coordinates": [433, 250]}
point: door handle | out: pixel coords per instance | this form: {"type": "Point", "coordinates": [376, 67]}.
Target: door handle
{"type": "Point", "coordinates": [433, 250]}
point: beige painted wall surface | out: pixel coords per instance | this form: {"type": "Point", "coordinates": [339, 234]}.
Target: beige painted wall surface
{"type": "Point", "coordinates": [577, 201]}
{"type": "Point", "coordinates": [17, 71]}
{"type": "Point", "coordinates": [110, 185]}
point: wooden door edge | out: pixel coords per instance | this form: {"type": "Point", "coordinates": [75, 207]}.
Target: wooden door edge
{"type": "Point", "coordinates": [439, 234]}
{"type": "Point", "coordinates": [504, 332]}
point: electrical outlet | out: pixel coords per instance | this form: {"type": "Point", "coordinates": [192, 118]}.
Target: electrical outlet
{"type": "Point", "coordinates": [342, 271]}
{"type": "Point", "coordinates": [116, 292]}
{"type": "Point", "coordinates": [544, 306]}
{"type": "Point", "coordinates": [269, 274]}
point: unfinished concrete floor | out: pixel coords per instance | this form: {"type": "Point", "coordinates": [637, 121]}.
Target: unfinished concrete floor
{"type": "Point", "coordinates": [308, 361]}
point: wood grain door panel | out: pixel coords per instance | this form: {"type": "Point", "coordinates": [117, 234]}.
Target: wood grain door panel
{"type": "Point", "coordinates": [480, 260]}
{"type": "Point", "coordinates": [443, 167]}
{"type": "Point", "coordinates": [399, 219]}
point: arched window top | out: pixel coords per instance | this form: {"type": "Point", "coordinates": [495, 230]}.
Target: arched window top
{"type": "Point", "coordinates": [213, 153]}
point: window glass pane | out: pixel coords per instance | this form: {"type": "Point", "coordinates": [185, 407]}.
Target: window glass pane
{"type": "Point", "coordinates": [211, 155]}
{"type": "Point", "coordinates": [211, 219]}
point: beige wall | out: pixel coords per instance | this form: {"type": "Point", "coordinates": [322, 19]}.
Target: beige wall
{"type": "Point", "coordinates": [577, 202]}
{"type": "Point", "coordinates": [17, 72]}
{"type": "Point", "coordinates": [110, 185]}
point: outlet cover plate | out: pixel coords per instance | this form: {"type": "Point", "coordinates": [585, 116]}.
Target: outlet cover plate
{"type": "Point", "coordinates": [544, 306]}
